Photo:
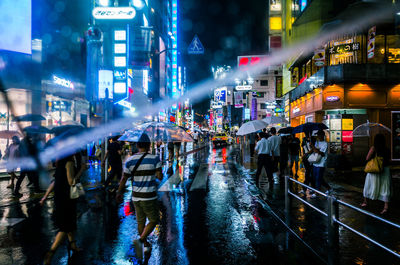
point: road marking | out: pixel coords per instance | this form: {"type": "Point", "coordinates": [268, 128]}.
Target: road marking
{"type": "Point", "coordinates": [200, 181]}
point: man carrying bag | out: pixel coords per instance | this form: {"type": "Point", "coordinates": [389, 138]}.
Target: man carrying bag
{"type": "Point", "coordinates": [143, 168]}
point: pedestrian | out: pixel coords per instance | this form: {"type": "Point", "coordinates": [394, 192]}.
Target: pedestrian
{"type": "Point", "coordinates": [275, 143]}
{"type": "Point", "coordinates": [284, 156]}
{"type": "Point", "coordinates": [378, 185]}
{"type": "Point", "coordinates": [263, 159]}
{"type": "Point", "coordinates": [143, 168]}
{"type": "Point", "coordinates": [195, 137]}
{"type": "Point", "coordinates": [170, 147]}
{"type": "Point", "coordinates": [320, 148]}
{"type": "Point", "coordinates": [308, 178]}
{"type": "Point", "coordinates": [294, 156]}
{"type": "Point", "coordinates": [114, 155]}
{"type": "Point", "coordinates": [68, 172]}
{"type": "Point", "coordinates": [252, 140]}
{"type": "Point", "coordinates": [11, 155]}
{"type": "Point", "coordinates": [177, 149]}
{"type": "Point", "coordinates": [27, 143]}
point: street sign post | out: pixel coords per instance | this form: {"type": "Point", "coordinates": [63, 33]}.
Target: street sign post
{"type": "Point", "coordinates": [196, 47]}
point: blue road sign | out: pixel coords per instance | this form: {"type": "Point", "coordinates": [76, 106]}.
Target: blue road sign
{"type": "Point", "coordinates": [195, 46]}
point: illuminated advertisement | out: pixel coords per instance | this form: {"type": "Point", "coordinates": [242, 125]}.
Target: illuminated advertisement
{"type": "Point", "coordinates": [245, 61]}
{"type": "Point", "coordinates": [63, 82]}
{"type": "Point", "coordinates": [220, 95]}
{"type": "Point", "coordinates": [275, 5]}
{"type": "Point", "coordinates": [16, 21]}
{"type": "Point", "coordinates": [105, 83]}
{"type": "Point", "coordinates": [120, 54]}
{"type": "Point", "coordinates": [114, 12]}
{"type": "Point", "coordinates": [174, 79]}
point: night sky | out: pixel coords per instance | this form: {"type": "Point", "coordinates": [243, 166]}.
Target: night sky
{"type": "Point", "coordinates": [226, 29]}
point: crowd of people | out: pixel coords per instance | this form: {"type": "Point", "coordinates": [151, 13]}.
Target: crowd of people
{"type": "Point", "coordinates": [288, 152]}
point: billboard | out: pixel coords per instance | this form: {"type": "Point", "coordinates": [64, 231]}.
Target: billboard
{"type": "Point", "coordinates": [105, 83]}
{"type": "Point", "coordinates": [220, 95]}
{"type": "Point", "coordinates": [16, 26]}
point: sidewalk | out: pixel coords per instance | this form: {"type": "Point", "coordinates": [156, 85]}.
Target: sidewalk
{"type": "Point", "coordinates": [312, 226]}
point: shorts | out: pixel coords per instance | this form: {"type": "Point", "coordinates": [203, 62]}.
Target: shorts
{"type": "Point", "coordinates": [294, 158]}
{"type": "Point", "coordinates": [147, 209]}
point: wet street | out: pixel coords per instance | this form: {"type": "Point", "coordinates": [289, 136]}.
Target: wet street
{"type": "Point", "coordinates": [208, 216]}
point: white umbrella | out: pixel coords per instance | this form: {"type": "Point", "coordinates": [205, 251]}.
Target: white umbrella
{"type": "Point", "coordinates": [252, 126]}
{"type": "Point", "coordinates": [275, 120]}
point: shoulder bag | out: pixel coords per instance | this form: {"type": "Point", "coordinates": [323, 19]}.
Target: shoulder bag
{"type": "Point", "coordinates": [314, 158]}
{"type": "Point", "coordinates": [375, 165]}
{"type": "Point", "coordinates": [76, 190]}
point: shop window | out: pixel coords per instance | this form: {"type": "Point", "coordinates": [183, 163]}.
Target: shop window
{"type": "Point", "coordinates": [263, 82]}
{"type": "Point", "coordinates": [393, 48]}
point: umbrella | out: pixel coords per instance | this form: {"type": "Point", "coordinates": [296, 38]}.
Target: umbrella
{"type": "Point", "coordinates": [9, 134]}
{"type": "Point", "coordinates": [251, 126]}
{"type": "Point", "coordinates": [166, 132]}
{"type": "Point", "coordinates": [367, 128]}
{"type": "Point", "coordinates": [72, 123]}
{"type": "Point", "coordinates": [275, 120]}
{"type": "Point", "coordinates": [34, 129]}
{"type": "Point", "coordinates": [29, 117]}
{"type": "Point", "coordinates": [63, 128]}
{"type": "Point", "coordinates": [309, 127]}
{"type": "Point", "coordinates": [286, 130]}
{"type": "Point", "coordinates": [64, 134]}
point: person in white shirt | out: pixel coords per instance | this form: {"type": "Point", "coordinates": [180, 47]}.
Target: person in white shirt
{"type": "Point", "coordinates": [275, 143]}
{"type": "Point", "coordinates": [195, 136]}
{"type": "Point", "coordinates": [263, 150]}
{"type": "Point", "coordinates": [320, 147]}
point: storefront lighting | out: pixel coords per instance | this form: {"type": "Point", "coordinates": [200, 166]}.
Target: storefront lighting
{"type": "Point", "coordinates": [114, 13]}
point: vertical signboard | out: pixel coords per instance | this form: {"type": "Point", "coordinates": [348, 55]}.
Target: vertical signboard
{"type": "Point", "coordinates": [238, 99]}
{"type": "Point", "coordinates": [396, 135]}
{"type": "Point", "coordinates": [120, 61]}
{"type": "Point", "coordinates": [174, 79]}
{"type": "Point", "coordinates": [371, 42]}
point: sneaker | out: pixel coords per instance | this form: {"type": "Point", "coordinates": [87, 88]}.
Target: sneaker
{"type": "Point", "coordinates": [17, 194]}
{"type": "Point", "coordinates": [138, 248]}
{"type": "Point", "coordinates": [147, 247]}
{"type": "Point", "coordinates": [11, 186]}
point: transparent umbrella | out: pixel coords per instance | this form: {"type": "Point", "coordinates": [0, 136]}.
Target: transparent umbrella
{"type": "Point", "coordinates": [252, 126]}
{"type": "Point", "coordinates": [157, 131]}
{"type": "Point", "coordinates": [370, 128]}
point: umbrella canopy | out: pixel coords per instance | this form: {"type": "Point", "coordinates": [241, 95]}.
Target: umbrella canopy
{"type": "Point", "coordinates": [29, 117]}
{"type": "Point", "coordinates": [369, 128]}
{"type": "Point", "coordinates": [64, 134]}
{"type": "Point", "coordinates": [9, 134]}
{"type": "Point", "coordinates": [63, 128]}
{"type": "Point", "coordinates": [275, 120]}
{"type": "Point", "coordinates": [251, 126]}
{"type": "Point", "coordinates": [34, 129]}
{"type": "Point", "coordinates": [309, 127]}
{"type": "Point", "coordinates": [287, 130]}
{"type": "Point", "coordinates": [157, 131]}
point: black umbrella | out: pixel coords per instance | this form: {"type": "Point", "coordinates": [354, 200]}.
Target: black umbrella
{"type": "Point", "coordinates": [287, 130]}
{"type": "Point", "coordinates": [29, 117]}
{"type": "Point", "coordinates": [68, 132]}
{"type": "Point", "coordinates": [309, 127]}
{"type": "Point", "coordinates": [63, 128]}
{"type": "Point", "coordinates": [36, 130]}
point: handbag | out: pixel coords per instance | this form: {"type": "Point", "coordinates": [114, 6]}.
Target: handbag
{"type": "Point", "coordinates": [76, 190]}
{"type": "Point", "coordinates": [375, 165]}
{"type": "Point", "coordinates": [314, 158]}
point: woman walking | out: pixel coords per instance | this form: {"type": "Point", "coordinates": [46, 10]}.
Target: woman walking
{"type": "Point", "coordinates": [65, 207]}
{"type": "Point", "coordinates": [378, 185]}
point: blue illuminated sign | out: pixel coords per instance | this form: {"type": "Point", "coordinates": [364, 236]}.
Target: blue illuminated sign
{"type": "Point", "coordinates": [174, 37]}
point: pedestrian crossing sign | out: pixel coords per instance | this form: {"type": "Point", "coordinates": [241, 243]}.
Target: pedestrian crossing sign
{"type": "Point", "coordinates": [196, 47]}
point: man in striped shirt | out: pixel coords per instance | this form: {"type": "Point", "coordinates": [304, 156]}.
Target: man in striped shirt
{"type": "Point", "coordinates": [144, 190]}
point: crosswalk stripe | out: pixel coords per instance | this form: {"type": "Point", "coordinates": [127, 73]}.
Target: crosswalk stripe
{"type": "Point", "coordinates": [200, 180]}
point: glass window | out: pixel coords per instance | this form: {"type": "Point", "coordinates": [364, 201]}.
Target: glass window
{"type": "Point", "coordinates": [263, 82]}
{"type": "Point", "coordinates": [393, 48]}
{"type": "Point", "coordinates": [263, 106]}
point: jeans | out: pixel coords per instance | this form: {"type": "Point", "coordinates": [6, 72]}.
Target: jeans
{"type": "Point", "coordinates": [318, 174]}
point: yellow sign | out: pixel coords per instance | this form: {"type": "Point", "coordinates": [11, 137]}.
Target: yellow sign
{"type": "Point", "coordinates": [275, 23]}
{"type": "Point", "coordinates": [347, 124]}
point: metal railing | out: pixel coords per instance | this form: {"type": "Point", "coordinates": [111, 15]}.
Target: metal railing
{"type": "Point", "coordinates": [333, 222]}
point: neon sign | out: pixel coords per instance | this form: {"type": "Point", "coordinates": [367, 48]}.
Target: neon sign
{"type": "Point", "coordinates": [114, 13]}
{"type": "Point", "coordinates": [174, 37]}
{"type": "Point", "coordinates": [332, 98]}
{"type": "Point", "coordinates": [63, 82]}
